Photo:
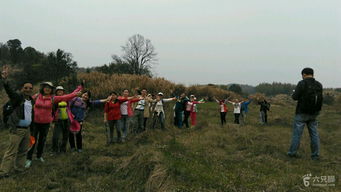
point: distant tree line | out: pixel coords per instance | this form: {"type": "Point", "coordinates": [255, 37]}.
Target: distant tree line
{"type": "Point", "coordinates": [275, 88]}
{"type": "Point", "coordinates": [32, 65]}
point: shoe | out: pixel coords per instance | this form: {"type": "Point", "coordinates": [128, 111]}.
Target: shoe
{"type": "Point", "coordinates": [315, 158]}
{"type": "Point", "coordinates": [41, 159]}
{"type": "Point", "coordinates": [28, 164]}
{"type": "Point", "coordinates": [80, 150]}
{"type": "Point", "coordinates": [4, 175]}
{"type": "Point", "coordinates": [294, 155]}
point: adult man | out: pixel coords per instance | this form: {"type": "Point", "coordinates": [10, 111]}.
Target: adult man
{"type": "Point", "coordinates": [308, 93]}
{"type": "Point", "coordinates": [244, 109]}
{"type": "Point", "coordinates": [142, 111]}
{"type": "Point", "coordinates": [264, 108]}
{"type": "Point", "coordinates": [179, 109]}
{"type": "Point", "coordinates": [19, 122]}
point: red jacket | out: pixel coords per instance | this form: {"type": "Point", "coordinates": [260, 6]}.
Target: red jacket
{"type": "Point", "coordinates": [113, 110]}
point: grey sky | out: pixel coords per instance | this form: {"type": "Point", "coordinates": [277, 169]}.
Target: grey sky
{"type": "Point", "coordinates": [198, 41]}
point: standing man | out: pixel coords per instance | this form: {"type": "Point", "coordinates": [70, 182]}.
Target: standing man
{"type": "Point", "coordinates": [142, 111]}
{"type": "Point", "coordinates": [179, 109]}
{"type": "Point", "coordinates": [245, 109]}
{"type": "Point", "coordinates": [309, 97]}
{"type": "Point", "coordinates": [19, 121]}
{"type": "Point", "coordinates": [264, 108]}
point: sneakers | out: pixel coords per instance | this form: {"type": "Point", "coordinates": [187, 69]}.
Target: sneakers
{"type": "Point", "coordinates": [3, 175]}
{"type": "Point", "coordinates": [80, 150]}
{"type": "Point", "coordinates": [41, 159]}
{"type": "Point", "coordinates": [28, 163]}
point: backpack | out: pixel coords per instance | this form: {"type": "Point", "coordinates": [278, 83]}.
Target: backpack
{"type": "Point", "coordinates": [7, 110]}
{"type": "Point", "coordinates": [312, 97]}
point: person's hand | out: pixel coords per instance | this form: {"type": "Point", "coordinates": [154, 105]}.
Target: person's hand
{"type": "Point", "coordinates": [79, 93]}
{"type": "Point", "coordinates": [105, 121]}
{"type": "Point", "coordinates": [108, 99]}
{"type": "Point", "coordinates": [4, 72]}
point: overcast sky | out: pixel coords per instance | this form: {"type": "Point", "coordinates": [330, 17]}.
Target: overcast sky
{"type": "Point", "coordinates": [197, 41]}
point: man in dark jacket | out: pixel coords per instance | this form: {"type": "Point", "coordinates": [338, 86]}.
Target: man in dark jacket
{"type": "Point", "coordinates": [179, 109]}
{"type": "Point", "coordinates": [264, 108]}
{"type": "Point", "coordinates": [308, 93]}
{"type": "Point", "coordinates": [19, 122]}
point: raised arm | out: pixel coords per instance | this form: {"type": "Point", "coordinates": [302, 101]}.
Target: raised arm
{"type": "Point", "coordinates": [12, 94]}
{"type": "Point", "coordinates": [68, 97]}
{"type": "Point", "coordinates": [169, 99]}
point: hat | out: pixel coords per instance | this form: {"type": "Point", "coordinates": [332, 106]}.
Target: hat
{"type": "Point", "coordinates": [192, 96]}
{"type": "Point", "coordinates": [60, 88]}
{"type": "Point", "coordinates": [47, 83]}
{"type": "Point", "coordinates": [160, 93]}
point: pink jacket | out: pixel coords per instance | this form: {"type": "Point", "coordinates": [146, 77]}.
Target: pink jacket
{"type": "Point", "coordinates": [190, 106]}
{"type": "Point", "coordinates": [43, 105]}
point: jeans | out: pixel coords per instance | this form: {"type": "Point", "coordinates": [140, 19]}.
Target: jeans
{"type": "Point", "coordinates": [178, 118]}
{"type": "Point", "coordinates": [110, 131]}
{"type": "Point", "coordinates": [41, 130]}
{"type": "Point", "coordinates": [300, 121]}
{"type": "Point", "coordinates": [243, 115]}
{"type": "Point", "coordinates": [125, 120]}
{"type": "Point", "coordinates": [263, 117]}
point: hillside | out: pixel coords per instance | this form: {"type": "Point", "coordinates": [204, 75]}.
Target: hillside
{"type": "Point", "coordinates": [205, 158]}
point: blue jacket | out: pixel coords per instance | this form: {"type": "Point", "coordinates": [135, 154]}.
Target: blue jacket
{"type": "Point", "coordinates": [245, 106]}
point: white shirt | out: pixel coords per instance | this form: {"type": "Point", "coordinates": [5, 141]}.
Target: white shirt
{"type": "Point", "coordinates": [236, 107]}
{"type": "Point", "coordinates": [124, 108]}
{"type": "Point", "coordinates": [27, 114]}
{"type": "Point", "coordinates": [140, 105]}
{"type": "Point", "coordinates": [159, 106]}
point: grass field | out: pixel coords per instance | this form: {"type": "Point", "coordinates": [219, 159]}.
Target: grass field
{"type": "Point", "coordinates": [208, 157]}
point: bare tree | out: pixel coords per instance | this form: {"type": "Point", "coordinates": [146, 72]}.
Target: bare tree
{"type": "Point", "coordinates": [139, 54]}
